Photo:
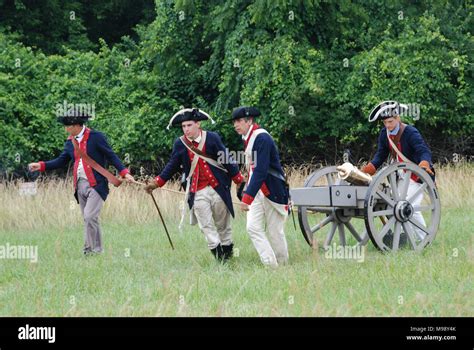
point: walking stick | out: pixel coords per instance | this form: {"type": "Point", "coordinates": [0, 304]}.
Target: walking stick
{"type": "Point", "coordinates": [159, 212]}
{"type": "Point", "coordinates": [162, 220]}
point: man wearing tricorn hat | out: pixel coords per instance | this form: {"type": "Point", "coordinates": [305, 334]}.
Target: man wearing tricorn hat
{"type": "Point", "coordinates": [208, 181]}
{"type": "Point", "coordinates": [402, 143]}
{"type": "Point", "coordinates": [90, 152]}
{"type": "Point", "coordinates": [266, 195]}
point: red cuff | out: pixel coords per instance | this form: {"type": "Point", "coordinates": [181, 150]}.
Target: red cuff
{"type": "Point", "coordinates": [124, 172]}
{"type": "Point", "coordinates": [159, 181]}
{"type": "Point", "coordinates": [247, 199]}
{"type": "Point", "coordinates": [42, 166]}
{"type": "Point", "coordinates": [238, 178]}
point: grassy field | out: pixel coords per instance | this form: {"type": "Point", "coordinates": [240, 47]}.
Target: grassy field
{"type": "Point", "coordinates": [139, 275]}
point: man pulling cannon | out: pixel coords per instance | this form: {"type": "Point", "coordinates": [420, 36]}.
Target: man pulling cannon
{"type": "Point", "coordinates": [90, 152]}
{"type": "Point", "coordinates": [265, 197]}
{"type": "Point", "coordinates": [208, 181]}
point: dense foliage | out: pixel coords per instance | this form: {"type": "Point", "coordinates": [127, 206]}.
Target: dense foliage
{"type": "Point", "coordinates": [314, 68]}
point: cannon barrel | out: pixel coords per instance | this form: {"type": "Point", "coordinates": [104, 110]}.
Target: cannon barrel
{"type": "Point", "coordinates": [397, 207]}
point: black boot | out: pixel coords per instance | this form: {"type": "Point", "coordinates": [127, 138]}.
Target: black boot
{"type": "Point", "coordinates": [228, 251]}
{"type": "Point", "coordinates": [388, 239]}
{"type": "Point", "coordinates": [217, 252]}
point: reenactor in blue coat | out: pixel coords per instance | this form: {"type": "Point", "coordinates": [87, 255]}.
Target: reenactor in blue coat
{"type": "Point", "coordinates": [208, 179]}
{"type": "Point", "coordinates": [265, 197]}
{"type": "Point", "coordinates": [408, 142]}
{"type": "Point", "coordinates": [91, 187]}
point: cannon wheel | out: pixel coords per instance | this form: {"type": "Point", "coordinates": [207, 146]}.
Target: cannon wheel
{"type": "Point", "coordinates": [391, 208]}
{"type": "Point", "coordinates": [327, 177]}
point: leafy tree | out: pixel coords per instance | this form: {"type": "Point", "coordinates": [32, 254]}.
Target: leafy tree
{"type": "Point", "coordinates": [315, 69]}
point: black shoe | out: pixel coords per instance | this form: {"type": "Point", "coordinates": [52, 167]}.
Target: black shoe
{"type": "Point", "coordinates": [228, 251]}
{"type": "Point", "coordinates": [388, 239]}
{"type": "Point", "coordinates": [217, 252]}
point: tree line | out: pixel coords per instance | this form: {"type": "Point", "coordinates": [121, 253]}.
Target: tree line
{"type": "Point", "coordinates": [315, 70]}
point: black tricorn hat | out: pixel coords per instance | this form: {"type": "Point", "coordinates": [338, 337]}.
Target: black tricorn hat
{"type": "Point", "coordinates": [245, 112]}
{"type": "Point", "coordinates": [387, 109]}
{"type": "Point", "coordinates": [188, 114]}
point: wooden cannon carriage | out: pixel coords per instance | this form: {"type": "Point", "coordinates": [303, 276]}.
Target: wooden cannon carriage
{"type": "Point", "coordinates": [330, 202]}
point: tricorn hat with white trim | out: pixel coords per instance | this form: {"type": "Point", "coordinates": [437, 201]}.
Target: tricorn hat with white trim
{"type": "Point", "coordinates": [387, 109]}
{"type": "Point", "coordinates": [188, 114]}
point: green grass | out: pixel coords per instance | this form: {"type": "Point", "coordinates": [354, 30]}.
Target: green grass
{"type": "Point", "coordinates": [156, 281]}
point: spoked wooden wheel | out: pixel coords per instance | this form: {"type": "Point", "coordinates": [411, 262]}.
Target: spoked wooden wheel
{"type": "Point", "coordinates": [402, 208]}
{"type": "Point", "coordinates": [314, 219]}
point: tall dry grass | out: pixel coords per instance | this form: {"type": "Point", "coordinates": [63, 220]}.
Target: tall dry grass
{"type": "Point", "coordinates": [54, 205]}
